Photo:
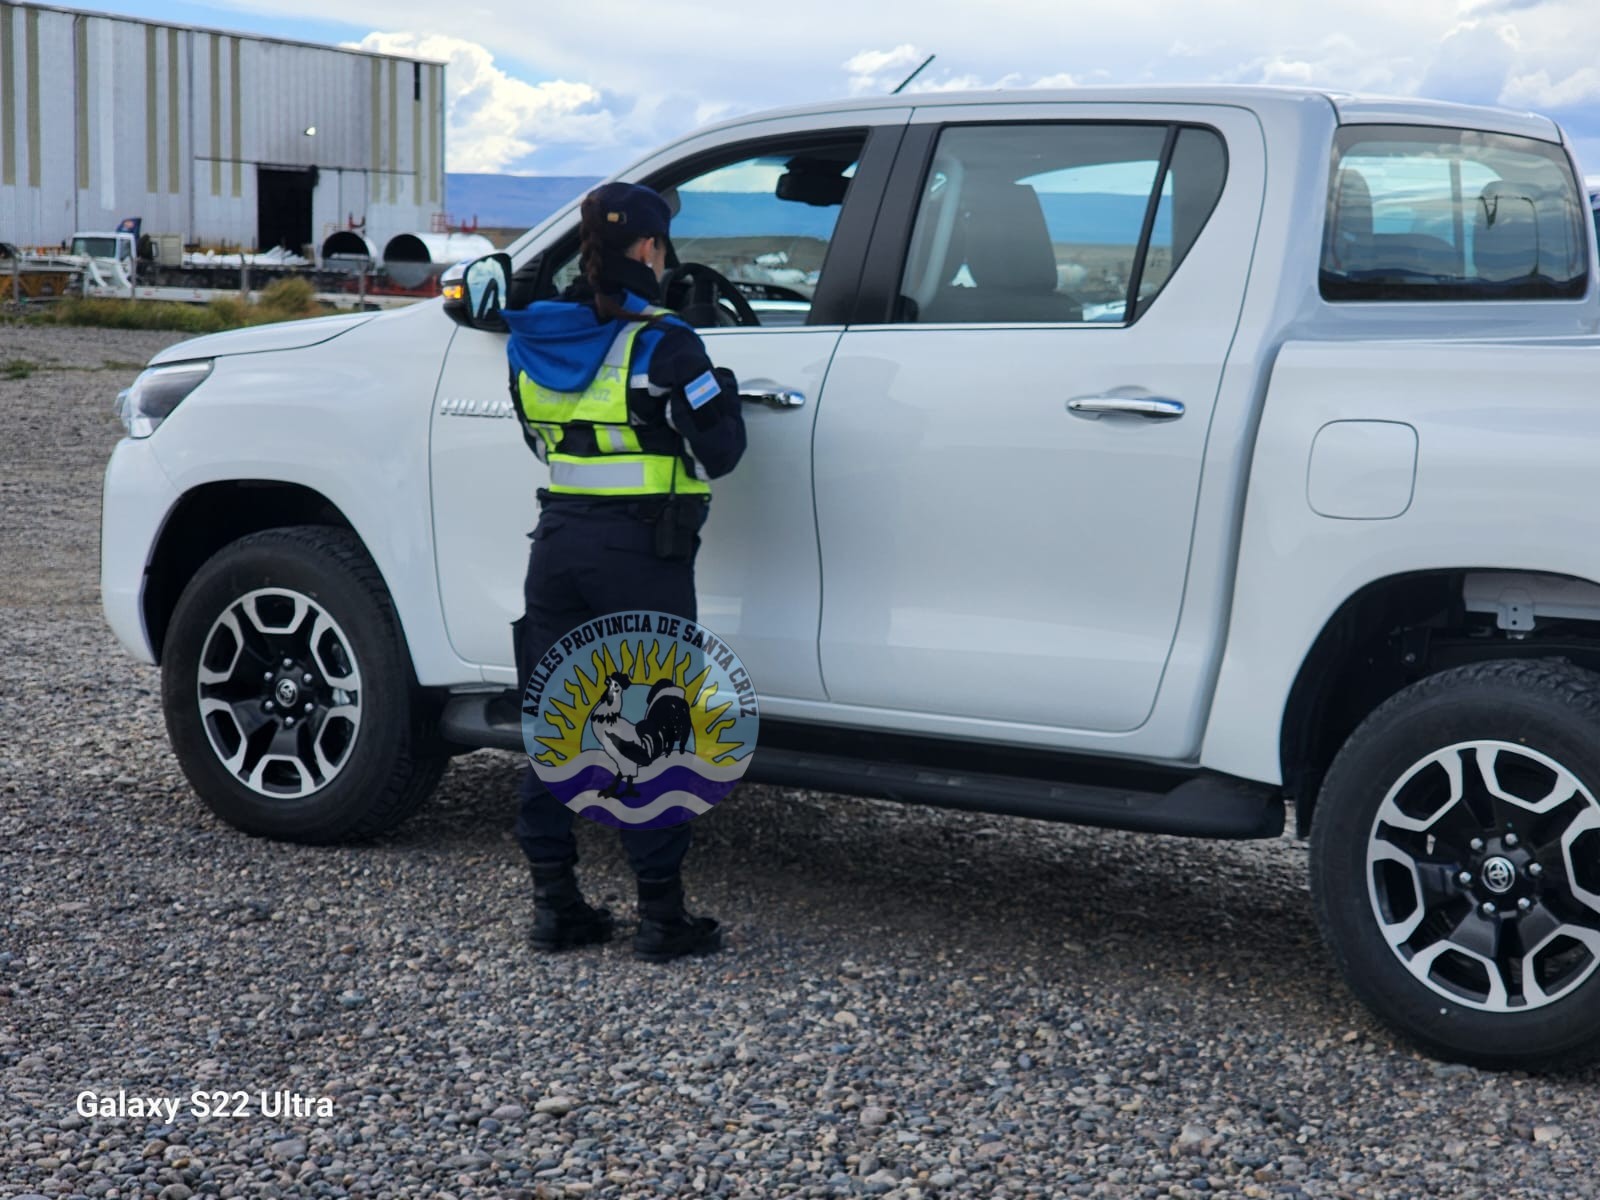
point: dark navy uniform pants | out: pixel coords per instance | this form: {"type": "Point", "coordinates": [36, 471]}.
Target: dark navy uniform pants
{"type": "Point", "coordinates": [588, 560]}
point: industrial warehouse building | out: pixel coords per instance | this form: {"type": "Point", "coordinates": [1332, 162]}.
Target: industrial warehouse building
{"type": "Point", "coordinates": [228, 141]}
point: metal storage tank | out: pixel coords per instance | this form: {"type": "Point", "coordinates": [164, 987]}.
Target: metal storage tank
{"type": "Point", "coordinates": [348, 246]}
{"type": "Point", "coordinates": [413, 258]}
{"type": "Point", "coordinates": [223, 139]}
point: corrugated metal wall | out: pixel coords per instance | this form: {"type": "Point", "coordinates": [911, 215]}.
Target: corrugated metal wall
{"type": "Point", "coordinates": [103, 118]}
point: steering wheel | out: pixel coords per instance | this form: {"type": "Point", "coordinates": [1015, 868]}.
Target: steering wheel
{"type": "Point", "coordinates": [704, 297]}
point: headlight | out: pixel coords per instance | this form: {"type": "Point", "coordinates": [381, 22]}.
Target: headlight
{"type": "Point", "coordinates": [156, 393]}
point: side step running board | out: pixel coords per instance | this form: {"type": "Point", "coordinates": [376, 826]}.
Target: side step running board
{"type": "Point", "coordinates": [1208, 805]}
{"type": "Point", "coordinates": [484, 721]}
{"type": "Point", "coordinates": [1205, 805]}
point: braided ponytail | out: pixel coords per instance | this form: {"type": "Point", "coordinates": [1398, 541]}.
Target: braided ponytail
{"type": "Point", "coordinates": [591, 256]}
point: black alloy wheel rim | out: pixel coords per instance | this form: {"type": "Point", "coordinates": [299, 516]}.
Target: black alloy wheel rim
{"type": "Point", "coordinates": [279, 692]}
{"type": "Point", "coordinates": [1483, 872]}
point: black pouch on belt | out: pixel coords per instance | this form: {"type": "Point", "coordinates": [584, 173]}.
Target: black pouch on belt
{"type": "Point", "coordinates": [677, 527]}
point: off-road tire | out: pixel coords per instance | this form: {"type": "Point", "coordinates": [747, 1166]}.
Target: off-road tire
{"type": "Point", "coordinates": [1526, 713]}
{"type": "Point", "coordinates": [388, 769]}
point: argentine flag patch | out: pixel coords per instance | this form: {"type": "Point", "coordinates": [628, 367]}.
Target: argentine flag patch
{"type": "Point", "coordinates": [701, 390]}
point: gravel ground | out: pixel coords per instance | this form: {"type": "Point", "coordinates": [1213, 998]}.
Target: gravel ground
{"type": "Point", "coordinates": [912, 1004]}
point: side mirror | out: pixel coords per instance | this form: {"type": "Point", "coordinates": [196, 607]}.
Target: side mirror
{"type": "Point", "coordinates": [476, 290]}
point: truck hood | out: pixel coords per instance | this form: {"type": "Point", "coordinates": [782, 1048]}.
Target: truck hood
{"type": "Point", "coordinates": [257, 339]}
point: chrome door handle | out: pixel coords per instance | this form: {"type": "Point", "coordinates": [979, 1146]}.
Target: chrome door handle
{"type": "Point", "coordinates": [775, 397]}
{"type": "Point", "coordinates": [1154, 408]}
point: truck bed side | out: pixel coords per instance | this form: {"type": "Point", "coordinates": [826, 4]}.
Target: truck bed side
{"type": "Point", "coordinates": [1376, 459]}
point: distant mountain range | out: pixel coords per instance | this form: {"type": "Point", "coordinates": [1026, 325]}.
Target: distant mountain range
{"type": "Point", "coordinates": [521, 201]}
{"type": "Point", "coordinates": [1091, 218]}
{"type": "Point", "coordinates": [509, 201]}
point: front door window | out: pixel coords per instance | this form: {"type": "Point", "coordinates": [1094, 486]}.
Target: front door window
{"type": "Point", "coordinates": [763, 222]}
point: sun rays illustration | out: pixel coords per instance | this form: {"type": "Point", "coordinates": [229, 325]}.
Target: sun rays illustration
{"type": "Point", "coordinates": [567, 719]}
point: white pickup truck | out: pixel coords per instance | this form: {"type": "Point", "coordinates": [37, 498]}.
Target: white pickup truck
{"type": "Point", "coordinates": [1140, 458]}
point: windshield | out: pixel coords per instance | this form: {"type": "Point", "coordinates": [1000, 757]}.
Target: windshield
{"type": "Point", "coordinates": [95, 247]}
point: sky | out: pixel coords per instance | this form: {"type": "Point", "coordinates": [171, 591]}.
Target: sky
{"type": "Point", "coordinates": [584, 87]}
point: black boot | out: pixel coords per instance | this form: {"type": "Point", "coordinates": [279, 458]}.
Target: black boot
{"type": "Point", "coordinates": [666, 930]}
{"type": "Point", "coordinates": [561, 917]}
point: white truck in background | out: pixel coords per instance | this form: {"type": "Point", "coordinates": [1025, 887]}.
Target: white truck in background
{"type": "Point", "coordinates": [1106, 475]}
{"type": "Point", "coordinates": [121, 264]}
{"type": "Point", "coordinates": [113, 269]}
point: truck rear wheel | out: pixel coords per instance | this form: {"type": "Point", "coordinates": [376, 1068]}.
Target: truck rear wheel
{"type": "Point", "coordinates": [1455, 863]}
{"type": "Point", "coordinates": [288, 694]}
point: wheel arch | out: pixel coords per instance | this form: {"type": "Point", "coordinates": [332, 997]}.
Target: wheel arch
{"type": "Point", "coordinates": [1392, 632]}
{"type": "Point", "coordinates": [208, 517]}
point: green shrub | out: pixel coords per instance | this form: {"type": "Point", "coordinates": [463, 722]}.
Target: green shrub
{"type": "Point", "coordinates": [136, 314]}
{"type": "Point", "coordinates": [230, 312]}
{"type": "Point", "coordinates": [287, 299]}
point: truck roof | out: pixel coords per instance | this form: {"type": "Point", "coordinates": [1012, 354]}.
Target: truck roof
{"type": "Point", "coordinates": [1352, 109]}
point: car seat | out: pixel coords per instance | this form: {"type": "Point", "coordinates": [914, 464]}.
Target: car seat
{"type": "Point", "coordinates": [1505, 232]}
{"type": "Point", "coordinates": [1002, 240]}
{"type": "Point", "coordinates": [1349, 243]}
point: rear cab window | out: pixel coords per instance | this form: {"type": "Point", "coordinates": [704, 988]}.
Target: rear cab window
{"type": "Point", "coordinates": [1424, 213]}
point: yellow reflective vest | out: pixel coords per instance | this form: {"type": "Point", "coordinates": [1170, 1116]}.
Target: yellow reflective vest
{"type": "Point", "coordinates": [588, 439]}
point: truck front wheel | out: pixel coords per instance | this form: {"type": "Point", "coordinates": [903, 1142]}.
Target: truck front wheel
{"type": "Point", "coordinates": [1455, 863]}
{"type": "Point", "coordinates": [287, 691]}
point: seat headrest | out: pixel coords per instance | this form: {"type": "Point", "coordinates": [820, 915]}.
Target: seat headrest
{"type": "Point", "coordinates": [1505, 231]}
{"type": "Point", "coordinates": [1006, 242]}
{"type": "Point", "coordinates": [1350, 223]}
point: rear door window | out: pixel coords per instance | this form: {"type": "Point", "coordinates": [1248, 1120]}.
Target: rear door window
{"type": "Point", "coordinates": [1057, 222]}
{"type": "Point", "coordinates": [1419, 213]}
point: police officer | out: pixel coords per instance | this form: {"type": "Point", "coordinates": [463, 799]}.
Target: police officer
{"type": "Point", "coordinates": [619, 400]}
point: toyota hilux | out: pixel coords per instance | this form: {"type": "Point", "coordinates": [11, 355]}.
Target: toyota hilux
{"type": "Point", "coordinates": [1160, 458]}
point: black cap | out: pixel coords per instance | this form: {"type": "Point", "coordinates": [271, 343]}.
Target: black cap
{"type": "Point", "coordinates": [629, 211]}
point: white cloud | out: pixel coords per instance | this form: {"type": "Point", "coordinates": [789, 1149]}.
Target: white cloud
{"type": "Point", "coordinates": [881, 70]}
{"type": "Point", "coordinates": [959, 83]}
{"type": "Point", "coordinates": [1539, 90]}
{"type": "Point", "coordinates": [1503, 6]}
{"type": "Point", "coordinates": [1337, 62]}
{"type": "Point", "coordinates": [741, 177]}
{"type": "Point", "coordinates": [693, 61]}
{"type": "Point", "coordinates": [1472, 63]}
{"type": "Point", "coordinates": [494, 120]}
